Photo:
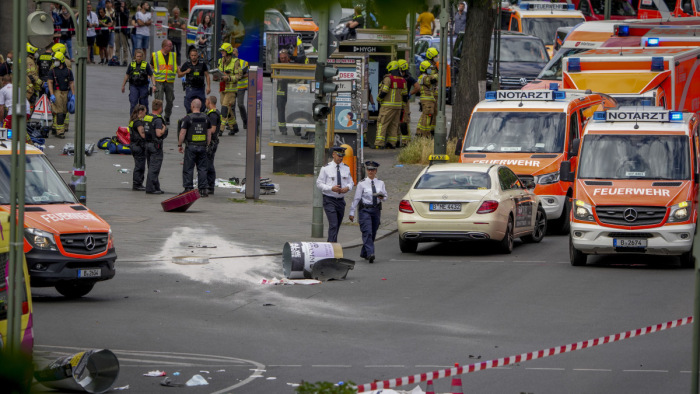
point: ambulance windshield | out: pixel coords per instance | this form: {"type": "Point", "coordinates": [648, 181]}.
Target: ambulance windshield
{"type": "Point", "coordinates": [42, 184]}
{"type": "Point", "coordinates": [521, 132]}
{"type": "Point", "coordinates": [553, 69]}
{"type": "Point", "coordinates": [546, 28]}
{"type": "Point", "coordinates": [634, 157]}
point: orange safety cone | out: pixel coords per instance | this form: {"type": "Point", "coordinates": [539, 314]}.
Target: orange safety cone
{"type": "Point", "coordinates": [430, 389]}
{"type": "Point", "coordinates": [457, 383]}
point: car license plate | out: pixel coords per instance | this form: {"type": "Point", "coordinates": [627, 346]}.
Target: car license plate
{"type": "Point", "coordinates": [442, 206]}
{"type": "Point", "coordinates": [90, 273]}
{"type": "Point", "coordinates": [629, 243]}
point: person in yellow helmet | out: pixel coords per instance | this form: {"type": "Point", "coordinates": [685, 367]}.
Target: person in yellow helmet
{"type": "Point", "coordinates": [392, 94]}
{"type": "Point", "coordinates": [232, 74]}
{"type": "Point", "coordinates": [33, 81]}
{"type": "Point", "coordinates": [428, 82]}
{"type": "Point", "coordinates": [405, 132]}
{"type": "Point", "coordinates": [60, 84]}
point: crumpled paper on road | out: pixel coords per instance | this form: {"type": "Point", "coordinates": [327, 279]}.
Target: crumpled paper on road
{"type": "Point", "coordinates": [283, 281]}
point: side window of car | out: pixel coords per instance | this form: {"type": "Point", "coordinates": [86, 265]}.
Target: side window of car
{"type": "Point", "coordinates": [573, 128]}
{"type": "Point", "coordinates": [514, 24]}
{"type": "Point", "coordinates": [508, 179]}
{"type": "Point", "coordinates": [584, 8]}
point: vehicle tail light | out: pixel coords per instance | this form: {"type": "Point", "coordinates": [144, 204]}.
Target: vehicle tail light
{"type": "Point", "coordinates": [488, 206]}
{"type": "Point", "coordinates": [405, 206]}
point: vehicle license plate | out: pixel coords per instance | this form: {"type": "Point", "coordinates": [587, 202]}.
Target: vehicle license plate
{"type": "Point", "coordinates": [443, 206]}
{"type": "Point", "coordinates": [90, 273]}
{"type": "Point", "coordinates": [629, 243]}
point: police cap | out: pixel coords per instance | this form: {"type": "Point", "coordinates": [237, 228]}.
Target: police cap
{"type": "Point", "coordinates": [339, 150]}
{"type": "Point", "coordinates": [371, 165]}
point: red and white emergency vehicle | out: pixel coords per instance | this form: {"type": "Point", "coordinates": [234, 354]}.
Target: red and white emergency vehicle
{"type": "Point", "coordinates": [532, 132]}
{"type": "Point", "coordinates": [636, 184]}
{"type": "Point", "coordinates": [667, 76]}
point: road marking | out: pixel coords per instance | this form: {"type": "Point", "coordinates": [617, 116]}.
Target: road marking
{"type": "Point", "coordinates": [644, 370]}
{"type": "Point", "coordinates": [283, 365]}
{"type": "Point", "coordinates": [592, 370]}
{"type": "Point", "coordinates": [529, 261]}
{"type": "Point", "coordinates": [385, 366]}
{"type": "Point", "coordinates": [547, 369]}
{"type": "Point", "coordinates": [434, 366]}
{"type": "Point", "coordinates": [331, 366]}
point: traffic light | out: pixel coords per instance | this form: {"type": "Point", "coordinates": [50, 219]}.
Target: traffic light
{"type": "Point", "coordinates": [324, 80]}
{"type": "Point", "coordinates": [320, 110]}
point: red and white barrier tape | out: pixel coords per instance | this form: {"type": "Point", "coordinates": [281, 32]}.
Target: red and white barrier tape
{"type": "Point", "coordinates": [385, 384]}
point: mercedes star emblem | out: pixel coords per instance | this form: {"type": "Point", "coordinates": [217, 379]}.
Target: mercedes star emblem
{"type": "Point", "coordinates": [523, 81]}
{"type": "Point", "coordinates": [89, 242]}
{"type": "Point", "coordinates": [630, 214]}
{"type": "Point", "coordinates": [444, 196]}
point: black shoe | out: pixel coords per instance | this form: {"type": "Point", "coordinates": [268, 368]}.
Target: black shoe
{"type": "Point", "coordinates": [231, 132]}
{"type": "Point", "coordinates": [167, 121]}
{"type": "Point", "coordinates": [156, 192]}
{"type": "Point", "coordinates": [221, 133]}
{"type": "Point", "coordinates": [210, 191]}
{"type": "Point", "coordinates": [235, 128]}
{"type": "Point", "coordinates": [283, 132]}
{"type": "Point", "coordinates": [203, 193]}
{"type": "Point", "coordinates": [138, 188]}
{"type": "Point", "coordinates": [61, 136]}
{"type": "Point", "coordinates": [186, 190]}
{"type": "Point", "coordinates": [390, 146]}
{"type": "Point", "coordinates": [371, 259]}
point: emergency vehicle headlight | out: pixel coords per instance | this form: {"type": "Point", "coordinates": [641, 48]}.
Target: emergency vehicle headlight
{"type": "Point", "coordinates": [675, 115]}
{"type": "Point", "coordinates": [559, 95]}
{"type": "Point", "coordinates": [653, 42]}
{"type": "Point", "coordinates": [548, 179]}
{"type": "Point", "coordinates": [679, 212]}
{"type": "Point", "coordinates": [623, 31]}
{"type": "Point", "coordinates": [40, 239]}
{"type": "Point", "coordinates": [574, 64]}
{"type": "Point", "coordinates": [490, 95]}
{"type": "Point", "coordinates": [583, 211]}
{"type": "Point", "coordinates": [657, 63]}
{"type": "Point", "coordinates": [554, 86]}
{"type": "Point", "coordinates": [599, 115]}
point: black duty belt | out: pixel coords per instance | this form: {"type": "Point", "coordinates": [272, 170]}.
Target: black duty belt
{"type": "Point", "coordinates": [334, 198]}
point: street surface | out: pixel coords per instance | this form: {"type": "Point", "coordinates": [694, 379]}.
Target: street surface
{"type": "Point", "coordinates": [405, 314]}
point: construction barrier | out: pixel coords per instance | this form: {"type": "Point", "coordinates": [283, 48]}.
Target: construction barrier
{"type": "Point", "coordinates": [385, 384]}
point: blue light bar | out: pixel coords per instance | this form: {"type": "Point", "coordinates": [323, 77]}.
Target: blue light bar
{"type": "Point", "coordinates": [653, 42]}
{"type": "Point", "coordinates": [623, 31]}
{"type": "Point", "coordinates": [524, 6]}
{"type": "Point", "coordinates": [490, 95]}
{"type": "Point", "coordinates": [574, 64]}
{"type": "Point", "coordinates": [657, 63]}
{"type": "Point", "coordinates": [675, 115]}
{"type": "Point", "coordinates": [559, 95]}
{"type": "Point", "coordinates": [646, 103]}
{"type": "Point", "coordinates": [599, 115]}
{"type": "Point", "coordinates": [554, 86]}
{"type": "Point", "coordinates": [572, 7]}
{"type": "Point", "coordinates": [9, 134]}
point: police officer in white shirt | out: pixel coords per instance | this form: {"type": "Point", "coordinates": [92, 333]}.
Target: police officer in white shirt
{"type": "Point", "coordinates": [335, 181]}
{"type": "Point", "coordinates": [368, 201]}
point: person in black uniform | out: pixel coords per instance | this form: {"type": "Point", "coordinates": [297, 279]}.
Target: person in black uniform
{"type": "Point", "coordinates": [196, 72]}
{"type": "Point", "coordinates": [215, 120]}
{"type": "Point", "coordinates": [44, 67]}
{"type": "Point", "coordinates": [357, 22]}
{"type": "Point", "coordinates": [195, 131]}
{"type": "Point", "coordinates": [155, 131]}
{"type": "Point", "coordinates": [138, 73]}
{"type": "Point", "coordinates": [370, 194]}
{"type": "Point", "coordinates": [138, 146]}
{"type": "Point", "coordinates": [282, 95]}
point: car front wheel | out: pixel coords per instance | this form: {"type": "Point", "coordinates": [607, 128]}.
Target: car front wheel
{"type": "Point", "coordinates": [540, 227]}
{"type": "Point", "coordinates": [506, 245]}
{"type": "Point", "coordinates": [577, 257]}
{"type": "Point", "coordinates": [74, 289]}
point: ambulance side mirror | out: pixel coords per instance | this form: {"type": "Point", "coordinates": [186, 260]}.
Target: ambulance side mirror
{"type": "Point", "coordinates": [565, 173]}
{"type": "Point", "coordinates": [573, 149]}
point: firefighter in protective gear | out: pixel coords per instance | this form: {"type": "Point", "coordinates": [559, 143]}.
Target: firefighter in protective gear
{"type": "Point", "coordinates": [44, 65]}
{"type": "Point", "coordinates": [138, 74]}
{"type": "Point", "coordinates": [392, 94]}
{"type": "Point", "coordinates": [405, 135]}
{"type": "Point", "coordinates": [227, 65]}
{"type": "Point", "coordinates": [432, 55]}
{"type": "Point", "coordinates": [428, 82]}
{"type": "Point", "coordinates": [60, 47]}
{"type": "Point", "coordinates": [155, 130]}
{"type": "Point", "coordinates": [60, 84]}
{"type": "Point", "coordinates": [195, 132]}
{"type": "Point", "coordinates": [33, 81]}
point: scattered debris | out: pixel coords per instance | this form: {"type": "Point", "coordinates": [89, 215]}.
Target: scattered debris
{"type": "Point", "coordinates": [203, 371]}
{"type": "Point", "coordinates": [268, 304]}
{"type": "Point", "coordinates": [121, 388]}
{"type": "Point", "coordinates": [197, 380]}
{"type": "Point", "coordinates": [275, 281]}
{"type": "Point", "coordinates": [155, 373]}
{"type": "Point", "coordinates": [167, 382]}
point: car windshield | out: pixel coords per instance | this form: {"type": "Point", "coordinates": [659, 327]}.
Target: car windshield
{"type": "Point", "coordinates": [552, 70]}
{"type": "Point", "coordinates": [464, 180]}
{"type": "Point", "coordinates": [634, 101]}
{"type": "Point", "coordinates": [520, 50]}
{"type": "Point", "coordinates": [634, 157]}
{"type": "Point", "coordinates": [295, 9]}
{"type": "Point", "coordinates": [526, 132]}
{"type": "Point", "coordinates": [42, 184]}
{"type": "Point", "coordinates": [617, 8]}
{"type": "Point", "coordinates": [545, 28]}
{"type": "Point", "coordinates": [275, 22]}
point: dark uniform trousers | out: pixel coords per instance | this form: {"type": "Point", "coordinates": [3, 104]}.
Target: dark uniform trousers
{"type": "Point", "coordinates": [369, 219]}
{"type": "Point", "coordinates": [211, 171]}
{"type": "Point", "coordinates": [191, 94]}
{"type": "Point", "coordinates": [241, 101]}
{"type": "Point", "coordinates": [138, 151]}
{"type": "Point", "coordinates": [335, 210]}
{"type": "Point", "coordinates": [195, 155]}
{"type": "Point", "coordinates": [138, 95]}
{"type": "Point", "coordinates": [154, 157]}
{"type": "Point", "coordinates": [282, 106]}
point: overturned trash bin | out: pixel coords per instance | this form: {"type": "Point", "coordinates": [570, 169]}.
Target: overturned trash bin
{"type": "Point", "coordinates": [93, 371]}
{"type": "Point", "coordinates": [181, 202]}
{"type": "Point", "coordinates": [300, 258]}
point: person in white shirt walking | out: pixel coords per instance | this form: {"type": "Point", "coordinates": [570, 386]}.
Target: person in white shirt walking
{"type": "Point", "coordinates": [335, 181]}
{"type": "Point", "coordinates": [143, 26]}
{"type": "Point", "coordinates": [92, 23]}
{"type": "Point", "coordinates": [369, 196]}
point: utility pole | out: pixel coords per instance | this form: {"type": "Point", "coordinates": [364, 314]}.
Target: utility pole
{"type": "Point", "coordinates": [320, 134]}
{"type": "Point", "coordinates": [78, 180]}
{"type": "Point", "coordinates": [440, 144]}
{"type": "Point", "coordinates": [496, 83]}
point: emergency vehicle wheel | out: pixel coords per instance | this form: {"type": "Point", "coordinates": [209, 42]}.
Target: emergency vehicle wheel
{"type": "Point", "coordinates": [540, 227]}
{"type": "Point", "coordinates": [506, 245]}
{"type": "Point", "coordinates": [687, 260]}
{"type": "Point", "coordinates": [577, 257]}
{"type": "Point", "coordinates": [407, 246]}
{"type": "Point", "coordinates": [562, 224]}
{"type": "Point", "coordinates": [74, 289]}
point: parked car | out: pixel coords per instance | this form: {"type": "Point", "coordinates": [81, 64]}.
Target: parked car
{"type": "Point", "coordinates": [469, 201]}
{"type": "Point", "coordinates": [522, 57]}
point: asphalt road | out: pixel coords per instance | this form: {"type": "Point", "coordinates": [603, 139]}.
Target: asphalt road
{"type": "Point", "coordinates": [405, 314]}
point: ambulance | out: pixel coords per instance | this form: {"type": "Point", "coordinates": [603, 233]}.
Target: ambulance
{"type": "Point", "coordinates": [664, 75]}
{"type": "Point", "coordinates": [532, 131]}
{"type": "Point", "coordinates": [67, 246]}
{"type": "Point", "coordinates": [635, 184]}
{"type": "Point", "coordinates": [648, 9]}
{"type": "Point", "coordinates": [26, 320]}
{"type": "Point", "coordinates": [542, 19]}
